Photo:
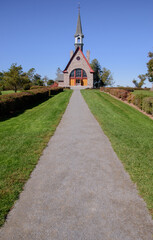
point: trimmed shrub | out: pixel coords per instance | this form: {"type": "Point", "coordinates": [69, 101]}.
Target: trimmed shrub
{"type": "Point", "coordinates": [129, 89]}
{"type": "Point", "coordinates": [130, 98]}
{"type": "Point", "coordinates": [11, 103]}
{"type": "Point", "coordinates": [36, 87]}
{"type": "Point", "coordinates": [138, 99]}
{"type": "Point", "coordinates": [142, 101]}
{"type": "Point", "coordinates": [119, 93]}
{"type": "Point", "coordinates": [147, 105]}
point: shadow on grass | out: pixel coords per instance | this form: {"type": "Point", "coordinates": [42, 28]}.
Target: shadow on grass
{"type": "Point", "coordinates": [18, 112]}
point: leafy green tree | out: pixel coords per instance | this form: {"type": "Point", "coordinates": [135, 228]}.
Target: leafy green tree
{"type": "Point", "coordinates": [150, 68]}
{"type": "Point", "coordinates": [37, 80]}
{"type": "Point", "coordinates": [50, 82]}
{"type": "Point", "coordinates": [2, 81]}
{"type": "Point", "coordinates": [135, 82]}
{"type": "Point", "coordinates": [141, 82]}
{"type": "Point", "coordinates": [1, 76]}
{"type": "Point", "coordinates": [102, 76]}
{"type": "Point", "coordinates": [95, 65]}
{"type": "Point", "coordinates": [150, 54]}
{"type": "Point", "coordinates": [15, 78]}
{"type": "Point", "coordinates": [30, 74]}
{"type": "Point", "coordinates": [106, 77]}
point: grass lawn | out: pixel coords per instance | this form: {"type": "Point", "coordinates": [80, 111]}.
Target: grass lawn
{"type": "Point", "coordinates": [8, 92]}
{"type": "Point", "coordinates": [131, 135]}
{"type": "Point", "coordinates": [144, 92]}
{"type": "Point", "coordinates": [22, 140]}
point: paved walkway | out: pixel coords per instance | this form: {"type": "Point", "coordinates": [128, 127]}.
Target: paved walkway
{"type": "Point", "coordinates": [79, 189]}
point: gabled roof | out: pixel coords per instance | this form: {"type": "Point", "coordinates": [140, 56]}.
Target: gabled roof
{"type": "Point", "coordinates": [79, 27]}
{"type": "Point", "coordinates": [74, 54]}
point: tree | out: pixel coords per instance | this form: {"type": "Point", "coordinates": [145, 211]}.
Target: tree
{"type": "Point", "coordinates": [95, 65]}
{"type": "Point", "coordinates": [106, 77]}
{"type": "Point", "coordinates": [135, 82]}
{"type": "Point", "coordinates": [102, 76]}
{"type": "Point", "coordinates": [50, 82]}
{"type": "Point", "coordinates": [1, 76]}
{"type": "Point", "coordinates": [1, 81]}
{"type": "Point", "coordinates": [45, 80]}
{"type": "Point", "coordinates": [15, 78]}
{"type": "Point", "coordinates": [141, 82]}
{"type": "Point", "coordinates": [37, 80]}
{"type": "Point", "coordinates": [30, 74]}
{"type": "Point", "coordinates": [59, 75]}
{"type": "Point", "coordinates": [150, 68]}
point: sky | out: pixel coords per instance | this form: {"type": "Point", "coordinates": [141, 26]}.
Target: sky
{"type": "Point", "coordinates": [40, 34]}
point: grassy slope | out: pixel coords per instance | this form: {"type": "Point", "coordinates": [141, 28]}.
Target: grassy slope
{"type": "Point", "coordinates": [22, 140]}
{"type": "Point", "coordinates": [131, 135]}
{"type": "Point", "coordinates": [144, 92]}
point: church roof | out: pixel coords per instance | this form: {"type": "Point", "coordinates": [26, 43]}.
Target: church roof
{"type": "Point", "coordinates": [79, 27]}
{"type": "Point", "coordinates": [78, 49]}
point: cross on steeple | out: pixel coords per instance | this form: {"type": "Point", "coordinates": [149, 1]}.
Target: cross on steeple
{"type": "Point", "coordinates": [79, 7]}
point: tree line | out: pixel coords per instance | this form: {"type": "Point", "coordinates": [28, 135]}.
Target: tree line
{"type": "Point", "coordinates": [15, 78]}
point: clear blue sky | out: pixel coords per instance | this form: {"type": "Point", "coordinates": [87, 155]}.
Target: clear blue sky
{"type": "Point", "coordinates": [40, 34]}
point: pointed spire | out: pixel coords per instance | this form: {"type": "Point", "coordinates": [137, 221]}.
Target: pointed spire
{"type": "Point", "coordinates": [79, 26]}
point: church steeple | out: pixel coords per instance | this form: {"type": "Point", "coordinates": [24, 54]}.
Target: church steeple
{"type": "Point", "coordinates": [79, 35]}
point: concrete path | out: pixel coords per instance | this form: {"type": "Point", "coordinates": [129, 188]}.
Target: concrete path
{"type": "Point", "coordinates": [79, 189]}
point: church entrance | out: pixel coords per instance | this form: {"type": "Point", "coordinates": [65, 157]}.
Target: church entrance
{"type": "Point", "coordinates": [78, 77]}
{"type": "Point", "coordinates": [78, 82]}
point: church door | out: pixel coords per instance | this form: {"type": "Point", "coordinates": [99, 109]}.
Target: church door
{"type": "Point", "coordinates": [78, 77]}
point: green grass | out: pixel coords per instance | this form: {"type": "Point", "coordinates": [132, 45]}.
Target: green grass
{"type": "Point", "coordinates": [8, 92]}
{"type": "Point", "coordinates": [131, 136]}
{"type": "Point", "coordinates": [144, 92]}
{"type": "Point", "coordinates": [22, 140]}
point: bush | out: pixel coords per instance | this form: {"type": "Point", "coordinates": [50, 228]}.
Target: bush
{"type": "Point", "coordinates": [26, 86]}
{"type": "Point", "coordinates": [129, 89]}
{"type": "Point", "coordinates": [138, 99]}
{"type": "Point", "coordinates": [130, 98]}
{"type": "Point", "coordinates": [11, 103]}
{"type": "Point", "coordinates": [147, 105]}
{"type": "Point", "coordinates": [142, 101]}
{"type": "Point", "coordinates": [119, 93]}
{"type": "Point", "coordinates": [36, 87]}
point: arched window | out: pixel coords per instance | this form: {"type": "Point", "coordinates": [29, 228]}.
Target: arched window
{"type": "Point", "coordinates": [79, 40]}
{"type": "Point", "coordinates": [72, 74]}
{"type": "Point", "coordinates": [84, 74]}
{"type": "Point", "coordinates": [78, 72]}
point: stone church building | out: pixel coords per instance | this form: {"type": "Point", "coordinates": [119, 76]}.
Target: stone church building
{"type": "Point", "coordinates": [78, 71]}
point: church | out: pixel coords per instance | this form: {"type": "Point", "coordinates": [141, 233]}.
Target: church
{"type": "Point", "coordinates": [78, 71]}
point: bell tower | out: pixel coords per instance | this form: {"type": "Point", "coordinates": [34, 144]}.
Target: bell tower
{"type": "Point", "coordinates": [79, 35]}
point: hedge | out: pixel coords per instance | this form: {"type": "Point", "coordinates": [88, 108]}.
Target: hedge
{"type": "Point", "coordinates": [11, 103]}
{"type": "Point", "coordinates": [129, 89]}
{"type": "Point", "coordinates": [138, 100]}
{"type": "Point", "coordinates": [119, 93]}
{"type": "Point", "coordinates": [142, 101]}
{"type": "Point", "coordinates": [147, 105]}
